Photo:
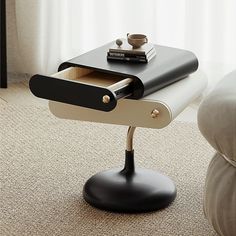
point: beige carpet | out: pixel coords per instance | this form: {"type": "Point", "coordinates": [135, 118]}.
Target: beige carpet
{"type": "Point", "coordinates": [45, 162]}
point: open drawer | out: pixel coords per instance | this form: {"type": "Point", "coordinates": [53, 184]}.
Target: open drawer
{"type": "Point", "coordinates": [83, 87]}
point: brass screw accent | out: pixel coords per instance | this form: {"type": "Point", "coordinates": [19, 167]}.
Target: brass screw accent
{"type": "Point", "coordinates": [155, 113]}
{"type": "Point", "coordinates": [106, 99]}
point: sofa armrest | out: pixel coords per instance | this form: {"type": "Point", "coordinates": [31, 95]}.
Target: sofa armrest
{"type": "Point", "coordinates": [217, 118]}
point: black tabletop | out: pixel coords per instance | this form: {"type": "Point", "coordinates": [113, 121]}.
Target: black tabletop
{"type": "Point", "coordinates": [168, 66]}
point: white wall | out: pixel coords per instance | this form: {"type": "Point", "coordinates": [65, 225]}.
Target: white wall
{"type": "Point", "coordinates": [51, 31]}
{"type": "Point", "coordinates": [13, 56]}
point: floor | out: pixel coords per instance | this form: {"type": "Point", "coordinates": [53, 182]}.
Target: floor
{"type": "Point", "coordinates": [44, 174]}
{"type": "Point", "coordinates": [46, 161]}
{"type": "Point", "coordinates": [18, 92]}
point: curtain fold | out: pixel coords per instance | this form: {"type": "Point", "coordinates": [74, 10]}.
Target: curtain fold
{"type": "Point", "coordinates": [50, 32]}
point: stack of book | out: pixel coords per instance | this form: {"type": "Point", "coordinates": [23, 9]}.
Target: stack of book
{"type": "Point", "coordinates": [126, 52]}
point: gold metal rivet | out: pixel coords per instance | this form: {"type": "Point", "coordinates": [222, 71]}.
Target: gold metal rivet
{"type": "Point", "coordinates": [106, 99]}
{"type": "Point", "coordinates": [155, 113]}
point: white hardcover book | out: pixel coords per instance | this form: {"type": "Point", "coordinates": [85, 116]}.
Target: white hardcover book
{"type": "Point", "coordinates": [128, 49]}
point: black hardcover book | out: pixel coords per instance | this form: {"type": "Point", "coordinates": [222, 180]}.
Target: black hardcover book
{"type": "Point", "coordinates": [116, 54]}
{"type": "Point", "coordinates": [127, 54]}
{"type": "Point", "coordinates": [131, 57]}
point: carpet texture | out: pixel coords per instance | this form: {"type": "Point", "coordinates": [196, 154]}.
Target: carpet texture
{"type": "Point", "coordinates": [45, 162]}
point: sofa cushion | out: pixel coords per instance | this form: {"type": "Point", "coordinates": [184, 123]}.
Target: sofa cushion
{"type": "Point", "coordinates": [217, 118]}
{"type": "Point", "coordinates": [220, 196]}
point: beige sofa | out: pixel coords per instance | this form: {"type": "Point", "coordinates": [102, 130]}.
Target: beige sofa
{"type": "Point", "coordinates": [217, 123]}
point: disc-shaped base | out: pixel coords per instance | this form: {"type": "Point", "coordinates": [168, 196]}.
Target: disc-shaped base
{"type": "Point", "coordinates": [141, 191]}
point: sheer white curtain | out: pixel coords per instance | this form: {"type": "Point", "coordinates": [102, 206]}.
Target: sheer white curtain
{"type": "Point", "coordinates": [51, 31]}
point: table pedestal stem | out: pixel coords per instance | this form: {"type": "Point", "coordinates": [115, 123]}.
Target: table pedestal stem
{"type": "Point", "coordinates": [129, 190]}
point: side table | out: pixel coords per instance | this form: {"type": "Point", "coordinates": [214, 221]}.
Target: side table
{"type": "Point", "coordinates": [129, 189]}
{"type": "Point", "coordinates": [90, 88]}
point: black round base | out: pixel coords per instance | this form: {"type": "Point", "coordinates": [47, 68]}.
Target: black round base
{"type": "Point", "coordinates": [120, 191]}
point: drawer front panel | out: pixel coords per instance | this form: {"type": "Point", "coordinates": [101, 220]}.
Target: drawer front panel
{"type": "Point", "coordinates": [72, 92]}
